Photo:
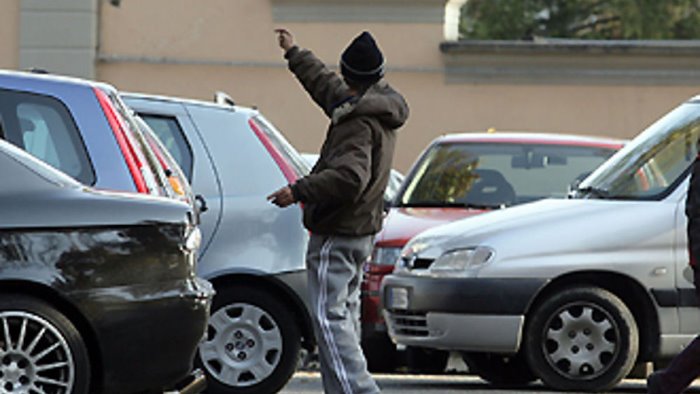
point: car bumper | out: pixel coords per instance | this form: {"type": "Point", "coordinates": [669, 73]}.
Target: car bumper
{"type": "Point", "coordinates": [470, 314]}
{"type": "Point", "coordinates": [147, 335]}
{"type": "Point", "coordinates": [195, 383]}
{"type": "Point", "coordinates": [373, 324]}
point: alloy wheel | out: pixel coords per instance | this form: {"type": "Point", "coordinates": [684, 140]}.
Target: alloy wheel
{"type": "Point", "coordinates": [34, 356]}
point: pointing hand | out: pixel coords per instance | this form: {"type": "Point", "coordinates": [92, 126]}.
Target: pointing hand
{"type": "Point", "coordinates": [285, 39]}
{"type": "Point", "coordinates": [282, 197]}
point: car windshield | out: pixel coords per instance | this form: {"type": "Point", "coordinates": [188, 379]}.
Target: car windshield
{"type": "Point", "coordinates": [490, 175]}
{"type": "Point", "coordinates": [653, 164]}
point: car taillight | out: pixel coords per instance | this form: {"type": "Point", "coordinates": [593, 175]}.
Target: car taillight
{"type": "Point", "coordinates": [177, 186]}
{"type": "Point", "coordinates": [277, 156]}
{"type": "Point", "coordinates": [125, 144]}
{"type": "Point", "coordinates": [173, 180]}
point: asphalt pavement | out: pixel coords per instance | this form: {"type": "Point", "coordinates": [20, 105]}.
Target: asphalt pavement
{"type": "Point", "coordinates": [310, 383]}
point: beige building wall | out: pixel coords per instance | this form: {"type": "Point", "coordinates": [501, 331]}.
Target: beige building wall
{"type": "Point", "coordinates": [9, 31]}
{"type": "Point", "coordinates": [194, 48]}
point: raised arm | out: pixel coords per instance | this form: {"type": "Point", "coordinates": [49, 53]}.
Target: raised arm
{"type": "Point", "coordinates": [324, 86]}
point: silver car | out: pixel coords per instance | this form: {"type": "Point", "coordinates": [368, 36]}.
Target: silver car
{"type": "Point", "coordinates": [573, 292]}
{"type": "Point", "coordinates": [252, 251]}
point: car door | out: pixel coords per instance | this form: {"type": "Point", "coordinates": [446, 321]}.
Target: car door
{"type": "Point", "coordinates": [173, 126]}
{"type": "Point", "coordinates": [689, 318]}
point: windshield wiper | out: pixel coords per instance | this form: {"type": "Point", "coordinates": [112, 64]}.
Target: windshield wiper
{"type": "Point", "coordinates": [443, 204]}
{"type": "Point", "coordinates": [593, 192]}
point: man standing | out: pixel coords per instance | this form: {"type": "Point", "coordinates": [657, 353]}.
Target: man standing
{"type": "Point", "coordinates": [343, 196]}
{"type": "Point", "coordinates": [685, 367]}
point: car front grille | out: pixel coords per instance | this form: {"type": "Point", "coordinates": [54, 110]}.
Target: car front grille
{"type": "Point", "coordinates": [422, 263]}
{"type": "Point", "coordinates": [409, 323]}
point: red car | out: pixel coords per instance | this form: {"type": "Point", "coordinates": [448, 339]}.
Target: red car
{"type": "Point", "coordinates": [457, 176]}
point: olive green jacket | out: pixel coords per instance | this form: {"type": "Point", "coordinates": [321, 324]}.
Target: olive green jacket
{"type": "Point", "coordinates": [343, 194]}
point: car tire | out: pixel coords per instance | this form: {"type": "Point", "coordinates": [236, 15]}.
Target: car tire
{"type": "Point", "coordinates": [500, 370]}
{"type": "Point", "coordinates": [426, 361]}
{"type": "Point", "coordinates": [583, 339]}
{"type": "Point", "coordinates": [252, 344]}
{"type": "Point", "coordinates": [380, 353]}
{"type": "Point", "coordinates": [40, 347]}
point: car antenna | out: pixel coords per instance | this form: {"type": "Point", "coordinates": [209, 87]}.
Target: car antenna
{"type": "Point", "coordinates": [223, 98]}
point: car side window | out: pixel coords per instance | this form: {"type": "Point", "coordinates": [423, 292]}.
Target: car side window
{"type": "Point", "coordinates": [43, 127]}
{"type": "Point", "coordinates": [170, 134]}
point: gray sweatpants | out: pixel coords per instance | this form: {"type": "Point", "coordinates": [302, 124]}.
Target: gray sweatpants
{"type": "Point", "coordinates": [334, 269]}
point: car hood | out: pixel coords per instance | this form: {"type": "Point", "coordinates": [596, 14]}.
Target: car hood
{"type": "Point", "coordinates": [401, 224]}
{"type": "Point", "coordinates": [555, 226]}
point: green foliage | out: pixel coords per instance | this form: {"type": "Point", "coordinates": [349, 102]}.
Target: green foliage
{"type": "Point", "coordinates": [583, 19]}
{"type": "Point", "coordinates": [448, 177]}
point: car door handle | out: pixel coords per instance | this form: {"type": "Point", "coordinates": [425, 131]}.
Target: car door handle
{"type": "Point", "coordinates": [202, 203]}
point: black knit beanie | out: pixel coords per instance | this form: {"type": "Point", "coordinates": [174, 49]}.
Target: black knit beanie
{"type": "Point", "coordinates": [362, 61]}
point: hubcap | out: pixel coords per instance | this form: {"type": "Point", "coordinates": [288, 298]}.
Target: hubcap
{"type": "Point", "coordinates": [243, 346]}
{"type": "Point", "coordinates": [34, 356]}
{"type": "Point", "coordinates": [581, 340]}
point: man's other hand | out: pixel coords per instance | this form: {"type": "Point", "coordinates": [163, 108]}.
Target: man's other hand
{"type": "Point", "coordinates": [282, 197]}
{"type": "Point", "coordinates": [285, 39]}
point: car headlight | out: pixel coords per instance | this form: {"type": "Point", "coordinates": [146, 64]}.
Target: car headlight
{"type": "Point", "coordinates": [385, 255]}
{"type": "Point", "coordinates": [419, 247]}
{"type": "Point", "coordinates": [459, 261]}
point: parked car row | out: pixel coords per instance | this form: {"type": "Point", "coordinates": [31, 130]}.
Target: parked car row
{"type": "Point", "coordinates": [87, 275]}
{"type": "Point", "coordinates": [125, 215]}
{"type": "Point", "coordinates": [574, 291]}
{"type": "Point", "coordinates": [251, 253]}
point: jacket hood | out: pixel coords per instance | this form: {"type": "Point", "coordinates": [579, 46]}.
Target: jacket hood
{"type": "Point", "coordinates": [380, 101]}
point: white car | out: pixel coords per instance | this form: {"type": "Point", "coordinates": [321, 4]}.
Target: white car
{"type": "Point", "coordinates": [573, 292]}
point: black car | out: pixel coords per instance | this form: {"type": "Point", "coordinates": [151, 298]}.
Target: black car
{"type": "Point", "coordinates": [97, 289]}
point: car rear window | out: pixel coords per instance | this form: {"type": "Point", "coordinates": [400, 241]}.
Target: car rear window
{"type": "Point", "coordinates": [170, 134]}
{"type": "Point", "coordinates": [493, 174]}
{"type": "Point", "coordinates": [38, 167]}
{"type": "Point", "coordinates": [43, 127]}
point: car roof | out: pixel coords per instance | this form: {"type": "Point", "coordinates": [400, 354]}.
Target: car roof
{"type": "Point", "coordinates": [190, 101]}
{"type": "Point", "coordinates": [53, 78]}
{"type": "Point", "coordinates": [531, 138]}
